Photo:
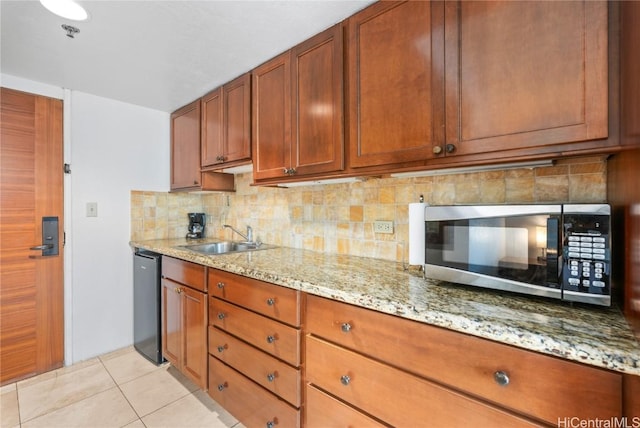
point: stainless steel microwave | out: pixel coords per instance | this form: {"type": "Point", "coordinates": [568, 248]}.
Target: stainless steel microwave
{"type": "Point", "coordinates": [560, 251]}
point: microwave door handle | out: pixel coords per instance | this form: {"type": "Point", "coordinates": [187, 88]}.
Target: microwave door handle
{"type": "Point", "coordinates": [553, 250]}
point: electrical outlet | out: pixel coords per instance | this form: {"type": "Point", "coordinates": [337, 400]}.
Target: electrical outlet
{"type": "Point", "coordinates": [383, 226]}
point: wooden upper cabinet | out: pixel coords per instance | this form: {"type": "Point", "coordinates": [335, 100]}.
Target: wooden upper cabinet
{"type": "Point", "coordinates": [395, 82]}
{"type": "Point", "coordinates": [185, 147]}
{"type": "Point", "coordinates": [297, 110]}
{"type": "Point", "coordinates": [317, 119]}
{"type": "Point", "coordinates": [271, 117]}
{"type": "Point", "coordinates": [522, 75]}
{"type": "Point", "coordinates": [226, 124]}
{"type": "Point", "coordinates": [212, 146]}
{"type": "Point", "coordinates": [630, 72]}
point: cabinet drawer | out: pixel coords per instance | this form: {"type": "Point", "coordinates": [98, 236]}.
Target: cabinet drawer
{"type": "Point", "coordinates": [394, 396]}
{"type": "Point", "coordinates": [264, 333]}
{"type": "Point", "coordinates": [274, 301]}
{"type": "Point", "coordinates": [324, 411]}
{"type": "Point", "coordinates": [469, 363]}
{"type": "Point", "coordinates": [186, 273]}
{"type": "Point", "coordinates": [269, 372]}
{"type": "Point", "coordinates": [252, 405]}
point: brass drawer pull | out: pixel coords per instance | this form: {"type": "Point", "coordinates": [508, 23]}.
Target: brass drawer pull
{"type": "Point", "coordinates": [272, 423]}
{"type": "Point", "coordinates": [271, 339]}
{"type": "Point", "coordinates": [345, 380]}
{"type": "Point", "coordinates": [221, 285]}
{"type": "Point", "coordinates": [271, 377]}
{"type": "Point", "coordinates": [346, 327]}
{"type": "Point", "coordinates": [221, 348]}
{"type": "Point", "coordinates": [271, 301]}
{"type": "Point", "coordinates": [222, 386]}
{"type": "Point", "coordinates": [221, 316]}
{"type": "Point", "coordinates": [501, 378]}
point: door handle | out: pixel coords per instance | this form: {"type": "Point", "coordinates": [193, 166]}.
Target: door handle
{"type": "Point", "coordinates": [50, 237]}
{"type": "Point", "coordinates": [42, 247]}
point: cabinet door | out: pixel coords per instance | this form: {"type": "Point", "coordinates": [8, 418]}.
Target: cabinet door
{"type": "Point", "coordinates": [395, 82]}
{"type": "Point", "coordinates": [185, 147]}
{"type": "Point", "coordinates": [630, 72]}
{"type": "Point", "coordinates": [237, 119]}
{"type": "Point", "coordinates": [212, 146]}
{"type": "Point", "coordinates": [271, 118]}
{"type": "Point", "coordinates": [317, 125]}
{"type": "Point", "coordinates": [522, 75]}
{"type": "Point", "coordinates": [171, 322]}
{"type": "Point", "coordinates": [194, 362]}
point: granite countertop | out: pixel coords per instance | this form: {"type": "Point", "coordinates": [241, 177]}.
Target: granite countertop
{"type": "Point", "coordinates": [596, 336]}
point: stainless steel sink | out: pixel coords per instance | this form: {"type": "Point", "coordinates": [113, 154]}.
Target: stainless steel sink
{"type": "Point", "coordinates": [225, 247]}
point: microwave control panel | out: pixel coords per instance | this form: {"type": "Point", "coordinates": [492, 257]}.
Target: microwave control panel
{"type": "Point", "coordinates": [586, 254]}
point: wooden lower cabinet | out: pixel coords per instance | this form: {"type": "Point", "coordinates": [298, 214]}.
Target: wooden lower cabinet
{"type": "Point", "coordinates": [184, 318]}
{"type": "Point", "coordinates": [501, 376]}
{"type": "Point", "coordinates": [248, 402]}
{"type": "Point", "coordinates": [322, 411]}
{"type": "Point", "coordinates": [270, 336]}
{"type": "Point", "coordinates": [394, 396]}
{"type": "Point", "coordinates": [270, 373]}
{"type": "Point", "coordinates": [255, 350]}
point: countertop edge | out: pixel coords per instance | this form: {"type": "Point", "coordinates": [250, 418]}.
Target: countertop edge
{"type": "Point", "coordinates": [616, 360]}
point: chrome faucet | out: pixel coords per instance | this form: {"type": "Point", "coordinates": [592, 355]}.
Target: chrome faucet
{"type": "Point", "coordinates": [248, 237]}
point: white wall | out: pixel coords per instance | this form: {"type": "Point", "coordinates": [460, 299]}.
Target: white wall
{"type": "Point", "coordinates": [116, 148]}
{"type": "Point", "coordinates": [113, 148]}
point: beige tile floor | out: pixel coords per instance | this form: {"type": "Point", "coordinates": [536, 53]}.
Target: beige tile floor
{"type": "Point", "coordinates": [119, 389]}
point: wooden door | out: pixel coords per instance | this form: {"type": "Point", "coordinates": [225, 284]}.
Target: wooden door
{"type": "Point", "coordinates": [211, 133]}
{"type": "Point", "coordinates": [525, 74]}
{"type": "Point", "coordinates": [237, 119]}
{"type": "Point", "coordinates": [194, 327]}
{"type": "Point", "coordinates": [171, 322]}
{"type": "Point", "coordinates": [31, 187]}
{"type": "Point", "coordinates": [395, 82]}
{"type": "Point", "coordinates": [317, 119]}
{"type": "Point", "coordinates": [271, 118]}
{"type": "Point", "coordinates": [185, 147]}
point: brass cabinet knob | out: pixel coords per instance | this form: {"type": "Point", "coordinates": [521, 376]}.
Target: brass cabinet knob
{"type": "Point", "coordinates": [345, 380]}
{"type": "Point", "coordinates": [222, 386]}
{"type": "Point", "coordinates": [437, 150]}
{"type": "Point", "coordinates": [345, 327]}
{"type": "Point", "coordinates": [271, 301]}
{"type": "Point", "coordinates": [450, 148]}
{"type": "Point", "coordinates": [221, 285]}
{"type": "Point", "coordinates": [271, 339]}
{"type": "Point", "coordinates": [221, 348]}
{"type": "Point", "coordinates": [221, 315]}
{"type": "Point", "coordinates": [271, 377]}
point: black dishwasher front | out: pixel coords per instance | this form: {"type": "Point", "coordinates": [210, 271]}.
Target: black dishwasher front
{"type": "Point", "coordinates": [147, 337]}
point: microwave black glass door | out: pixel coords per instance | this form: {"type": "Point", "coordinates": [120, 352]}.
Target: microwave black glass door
{"type": "Point", "coordinates": [519, 248]}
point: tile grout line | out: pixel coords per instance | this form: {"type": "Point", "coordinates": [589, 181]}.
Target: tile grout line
{"type": "Point", "coordinates": [129, 402]}
{"type": "Point", "coordinates": [56, 376]}
{"type": "Point", "coordinates": [122, 392]}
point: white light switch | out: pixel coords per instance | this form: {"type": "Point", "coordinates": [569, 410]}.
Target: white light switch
{"type": "Point", "coordinates": [92, 209]}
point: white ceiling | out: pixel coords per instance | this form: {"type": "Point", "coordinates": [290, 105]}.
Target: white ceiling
{"type": "Point", "coordinates": [154, 53]}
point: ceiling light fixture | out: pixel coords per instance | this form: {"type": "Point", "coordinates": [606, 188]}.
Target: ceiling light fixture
{"type": "Point", "coordinates": [68, 9]}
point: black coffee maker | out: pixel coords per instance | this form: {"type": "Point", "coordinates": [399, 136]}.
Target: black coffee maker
{"type": "Point", "coordinates": [196, 225]}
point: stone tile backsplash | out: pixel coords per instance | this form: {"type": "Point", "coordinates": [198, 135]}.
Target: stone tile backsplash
{"type": "Point", "coordinates": [338, 218]}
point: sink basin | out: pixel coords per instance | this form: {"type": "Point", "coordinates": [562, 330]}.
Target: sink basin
{"type": "Point", "coordinates": [225, 247]}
